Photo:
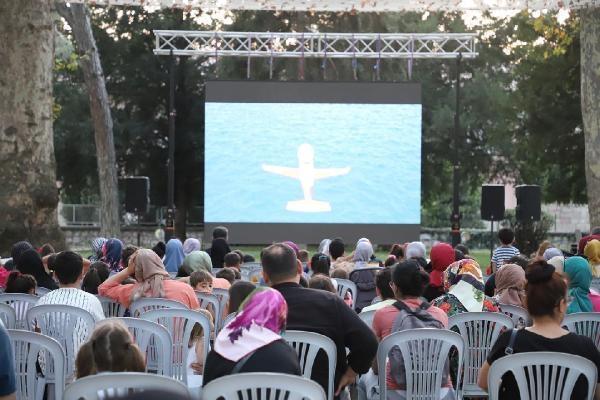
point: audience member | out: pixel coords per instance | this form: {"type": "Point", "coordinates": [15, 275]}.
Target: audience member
{"type": "Point", "coordinates": [303, 256]}
{"type": "Point", "coordinates": [241, 254]}
{"type": "Point", "coordinates": [510, 285]}
{"type": "Point", "coordinates": [502, 254]}
{"type": "Point", "coordinates": [237, 294]}
{"type": "Point", "coordinates": [364, 280]}
{"type": "Point", "coordinates": [127, 252]}
{"type": "Point", "coordinates": [97, 274]}
{"type": "Point", "coordinates": [46, 250]}
{"type": "Point", "coordinates": [152, 281]}
{"type": "Point", "coordinates": [219, 246]}
{"type": "Point", "coordinates": [248, 258]}
{"type": "Point", "coordinates": [336, 249]}
{"type": "Point", "coordinates": [442, 255]}
{"type": "Point", "coordinates": [463, 283]}
{"type": "Point", "coordinates": [201, 281]}
{"type": "Point", "coordinates": [592, 253]}
{"type": "Point", "coordinates": [320, 263]}
{"type": "Point", "coordinates": [551, 252]}
{"type": "Point", "coordinates": [17, 250]}
{"type": "Point", "coordinates": [384, 290]}
{"type": "Point", "coordinates": [579, 277]}
{"type": "Point", "coordinates": [390, 261]}
{"type": "Point", "coordinates": [545, 245]}
{"type": "Point", "coordinates": [20, 283]}
{"type": "Point", "coordinates": [96, 245]}
{"type": "Point", "coordinates": [342, 273]}
{"type": "Point", "coordinates": [415, 250]}
{"type": "Point", "coordinates": [8, 382]}
{"type": "Point", "coordinates": [490, 284]}
{"type": "Point", "coordinates": [584, 240]}
{"type": "Point", "coordinates": [173, 255]}
{"type": "Point", "coordinates": [232, 260]}
{"type": "Point", "coordinates": [558, 263]}
{"type": "Point", "coordinates": [546, 302]}
{"type": "Point", "coordinates": [323, 247]}
{"type": "Point", "coordinates": [30, 263]}
{"type": "Point", "coordinates": [112, 251]}
{"type": "Point", "coordinates": [200, 260]}
{"type": "Point", "coordinates": [458, 255]}
{"type": "Point", "coordinates": [329, 317]}
{"type": "Point", "coordinates": [462, 248]}
{"type": "Point", "coordinates": [397, 251]}
{"type": "Point", "coordinates": [160, 248]}
{"type": "Point", "coordinates": [252, 342]}
{"type": "Point", "coordinates": [110, 349]}
{"type": "Point", "coordinates": [227, 274]}
{"type": "Point", "coordinates": [321, 282]}
{"type": "Point", "coordinates": [191, 244]}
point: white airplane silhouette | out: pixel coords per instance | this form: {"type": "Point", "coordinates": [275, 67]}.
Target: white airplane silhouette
{"type": "Point", "coordinates": [307, 174]}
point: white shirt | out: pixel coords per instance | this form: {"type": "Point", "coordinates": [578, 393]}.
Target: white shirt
{"type": "Point", "coordinates": [74, 297]}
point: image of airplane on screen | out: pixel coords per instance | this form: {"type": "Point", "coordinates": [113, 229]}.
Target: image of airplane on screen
{"type": "Point", "coordinates": [307, 174]}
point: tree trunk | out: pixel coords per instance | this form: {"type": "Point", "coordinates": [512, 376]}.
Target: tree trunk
{"type": "Point", "coordinates": [78, 17]}
{"type": "Point", "coordinates": [590, 106]}
{"type": "Point", "coordinates": [28, 193]}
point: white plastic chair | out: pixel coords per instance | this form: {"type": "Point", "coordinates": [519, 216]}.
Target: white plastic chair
{"type": "Point", "coordinates": [480, 330]}
{"type": "Point", "coordinates": [251, 272]}
{"type": "Point", "coordinates": [215, 271]}
{"type": "Point", "coordinates": [145, 304]}
{"type": "Point", "coordinates": [154, 340]}
{"type": "Point", "coordinates": [542, 375]}
{"type": "Point", "coordinates": [180, 323]}
{"type": "Point", "coordinates": [307, 345]}
{"type": "Point", "coordinates": [343, 286]}
{"type": "Point", "coordinates": [519, 315]}
{"type": "Point", "coordinates": [228, 319]}
{"type": "Point", "coordinates": [8, 316]}
{"type": "Point", "coordinates": [21, 302]}
{"type": "Point", "coordinates": [111, 308]}
{"type": "Point", "coordinates": [40, 291]}
{"type": "Point", "coordinates": [223, 296]}
{"type": "Point", "coordinates": [26, 347]}
{"type": "Point", "coordinates": [367, 317]}
{"type": "Point", "coordinates": [71, 326]}
{"type": "Point", "coordinates": [101, 386]}
{"type": "Point", "coordinates": [207, 300]}
{"type": "Point", "coordinates": [584, 323]}
{"type": "Point", "coordinates": [262, 386]}
{"type": "Point", "coordinates": [424, 352]}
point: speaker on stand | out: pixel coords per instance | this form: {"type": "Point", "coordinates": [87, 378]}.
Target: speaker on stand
{"type": "Point", "coordinates": [529, 203]}
{"type": "Point", "coordinates": [492, 207]}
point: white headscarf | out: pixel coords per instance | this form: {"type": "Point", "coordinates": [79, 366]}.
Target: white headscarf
{"type": "Point", "coordinates": [324, 246]}
{"type": "Point", "coordinates": [415, 250]}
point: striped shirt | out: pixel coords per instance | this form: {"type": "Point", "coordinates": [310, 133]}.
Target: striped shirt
{"type": "Point", "coordinates": [504, 253]}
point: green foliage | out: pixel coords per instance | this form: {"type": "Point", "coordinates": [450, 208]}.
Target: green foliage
{"type": "Point", "coordinates": [530, 234]}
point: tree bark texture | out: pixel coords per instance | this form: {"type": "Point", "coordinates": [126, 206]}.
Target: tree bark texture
{"type": "Point", "coordinates": [590, 106]}
{"type": "Point", "coordinates": [77, 15]}
{"type": "Point", "coordinates": [28, 193]}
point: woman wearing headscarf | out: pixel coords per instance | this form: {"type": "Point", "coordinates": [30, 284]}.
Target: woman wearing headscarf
{"type": "Point", "coordinates": [442, 255]}
{"type": "Point", "coordinates": [31, 263]}
{"type": "Point", "coordinates": [578, 271]}
{"type": "Point", "coordinates": [218, 249]}
{"type": "Point", "coordinates": [592, 253]}
{"type": "Point", "coordinates": [200, 260]}
{"type": "Point", "coordinates": [96, 245]}
{"type": "Point", "coordinates": [551, 252]}
{"type": "Point", "coordinates": [362, 277]}
{"type": "Point", "coordinates": [191, 244]}
{"type": "Point", "coordinates": [415, 250]}
{"type": "Point", "coordinates": [464, 285]}
{"type": "Point", "coordinates": [558, 263]}
{"type": "Point", "coordinates": [173, 255]}
{"type": "Point", "coordinates": [15, 253]}
{"type": "Point", "coordinates": [152, 281]}
{"type": "Point", "coordinates": [324, 247]}
{"type": "Point", "coordinates": [252, 342]}
{"type": "Point", "coordinates": [510, 285]}
{"type": "Point", "coordinates": [112, 251]}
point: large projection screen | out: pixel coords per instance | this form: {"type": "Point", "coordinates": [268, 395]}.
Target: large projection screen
{"type": "Point", "coordinates": [303, 161]}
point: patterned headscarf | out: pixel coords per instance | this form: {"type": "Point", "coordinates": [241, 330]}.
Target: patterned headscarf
{"type": "Point", "coordinates": [149, 272]}
{"type": "Point", "coordinates": [580, 278]}
{"type": "Point", "coordinates": [111, 254]}
{"type": "Point", "coordinates": [463, 279]}
{"type": "Point", "coordinates": [191, 244]}
{"type": "Point", "coordinates": [173, 255]}
{"type": "Point", "coordinates": [442, 255]}
{"type": "Point", "coordinates": [96, 245]}
{"type": "Point", "coordinates": [510, 285]}
{"type": "Point", "coordinates": [592, 252]}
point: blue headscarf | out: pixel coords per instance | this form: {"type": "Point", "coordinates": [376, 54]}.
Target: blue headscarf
{"type": "Point", "coordinates": [173, 255]}
{"type": "Point", "coordinates": [580, 278]}
{"type": "Point", "coordinates": [111, 254]}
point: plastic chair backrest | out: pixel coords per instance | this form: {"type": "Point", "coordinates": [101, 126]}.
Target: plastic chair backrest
{"type": "Point", "coordinates": [425, 352]}
{"type": "Point", "coordinates": [26, 347]}
{"type": "Point", "coordinates": [154, 340]}
{"type": "Point", "coordinates": [542, 375]}
{"type": "Point", "coordinates": [343, 286]}
{"type": "Point", "coordinates": [71, 326]}
{"type": "Point", "coordinates": [179, 323]}
{"type": "Point", "coordinates": [8, 316]}
{"type": "Point", "coordinates": [111, 308]}
{"type": "Point", "coordinates": [480, 330]}
{"type": "Point", "coordinates": [367, 317]}
{"type": "Point", "coordinates": [215, 271]}
{"type": "Point", "coordinates": [307, 345]}
{"type": "Point", "coordinates": [584, 323]}
{"type": "Point", "coordinates": [251, 272]}
{"type": "Point", "coordinates": [519, 315]}
{"type": "Point", "coordinates": [101, 386]}
{"type": "Point", "coordinates": [256, 385]}
{"type": "Point", "coordinates": [207, 300]}
{"type": "Point", "coordinates": [145, 304]}
{"type": "Point", "coordinates": [21, 302]}
{"type": "Point", "coordinates": [223, 296]}
{"type": "Point", "coordinates": [40, 291]}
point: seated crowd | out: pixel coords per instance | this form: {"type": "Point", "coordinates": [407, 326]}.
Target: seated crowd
{"type": "Point", "coordinates": [407, 289]}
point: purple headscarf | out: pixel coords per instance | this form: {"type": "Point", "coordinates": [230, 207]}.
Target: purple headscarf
{"type": "Point", "coordinates": [111, 254]}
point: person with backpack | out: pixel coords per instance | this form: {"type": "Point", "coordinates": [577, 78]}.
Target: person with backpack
{"type": "Point", "coordinates": [409, 281]}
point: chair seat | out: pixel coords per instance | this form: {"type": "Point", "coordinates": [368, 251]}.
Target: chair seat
{"type": "Point", "coordinates": [473, 391]}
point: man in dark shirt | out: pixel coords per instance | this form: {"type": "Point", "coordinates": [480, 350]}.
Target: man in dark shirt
{"type": "Point", "coordinates": [321, 312]}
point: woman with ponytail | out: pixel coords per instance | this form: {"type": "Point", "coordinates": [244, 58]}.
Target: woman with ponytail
{"type": "Point", "coordinates": [97, 274]}
{"type": "Point", "coordinates": [546, 301]}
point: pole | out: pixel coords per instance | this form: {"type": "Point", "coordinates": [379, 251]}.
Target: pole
{"type": "Point", "coordinates": [455, 218]}
{"type": "Point", "coordinates": [492, 241]}
{"type": "Point", "coordinates": [170, 218]}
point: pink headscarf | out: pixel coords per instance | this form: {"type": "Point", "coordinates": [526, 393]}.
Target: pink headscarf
{"type": "Point", "coordinates": [150, 273]}
{"type": "Point", "coordinates": [510, 285]}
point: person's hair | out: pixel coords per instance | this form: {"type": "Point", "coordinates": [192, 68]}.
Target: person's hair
{"type": "Point", "coordinates": [46, 249]}
{"type": "Point", "coordinates": [303, 255]}
{"type": "Point", "coordinates": [110, 349]}
{"type": "Point", "coordinates": [237, 294]}
{"type": "Point", "coordinates": [521, 261]}
{"type": "Point", "coordinates": [237, 273]}
{"type": "Point", "coordinates": [248, 258]}
{"type": "Point", "coordinates": [20, 283]}
{"type": "Point", "coordinates": [126, 253]}
{"type": "Point", "coordinates": [220, 232]}
{"type": "Point", "coordinates": [506, 236]}
{"type": "Point", "coordinates": [339, 273]}
{"type": "Point", "coordinates": [226, 273]}
{"type": "Point", "coordinates": [303, 281]}
{"type": "Point", "coordinates": [545, 245]}
{"type": "Point", "coordinates": [321, 282]}
{"type": "Point", "coordinates": [397, 251]}
{"type": "Point", "coordinates": [232, 259]}
{"type": "Point", "coordinates": [200, 276]}
{"type": "Point", "coordinates": [382, 281]}
{"type": "Point", "coordinates": [97, 274]}
{"type": "Point", "coordinates": [51, 262]}
{"type": "Point", "coordinates": [337, 248]}
{"type": "Point", "coordinates": [544, 290]}
{"type": "Point", "coordinates": [458, 255]}
{"type": "Point", "coordinates": [279, 262]}
{"type": "Point", "coordinates": [410, 278]}
{"type": "Point", "coordinates": [320, 264]}
{"type": "Point", "coordinates": [68, 267]}
{"type": "Point", "coordinates": [595, 230]}
{"type": "Point", "coordinates": [390, 260]}
{"type": "Point", "coordinates": [159, 248]}
{"type": "Point", "coordinates": [240, 253]}
{"type": "Point", "coordinates": [461, 247]}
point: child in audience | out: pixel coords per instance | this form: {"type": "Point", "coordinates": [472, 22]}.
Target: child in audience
{"type": "Point", "coordinates": [233, 260]}
{"type": "Point", "coordinates": [20, 283]}
{"type": "Point", "coordinates": [227, 274]}
{"type": "Point", "coordinates": [97, 274]}
{"type": "Point", "coordinates": [321, 282]}
{"type": "Point", "coordinates": [506, 250]}
{"type": "Point", "coordinates": [202, 281]}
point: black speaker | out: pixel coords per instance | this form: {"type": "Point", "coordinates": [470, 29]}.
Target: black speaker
{"type": "Point", "coordinates": [492, 202]}
{"type": "Point", "coordinates": [137, 192]}
{"type": "Point", "coordinates": [529, 202]}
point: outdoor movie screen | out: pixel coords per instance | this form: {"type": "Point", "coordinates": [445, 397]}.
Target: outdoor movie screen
{"type": "Point", "coordinates": [314, 153]}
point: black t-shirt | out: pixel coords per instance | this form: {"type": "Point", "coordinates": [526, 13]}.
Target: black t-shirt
{"type": "Point", "coordinates": [277, 356]}
{"type": "Point", "coordinates": [527, 341]}
{"type": "Point", "coordinates": [490, 286]}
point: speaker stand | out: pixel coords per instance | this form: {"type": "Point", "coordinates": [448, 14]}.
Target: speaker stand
{"type": "Point", "coordinates": [491, 242]}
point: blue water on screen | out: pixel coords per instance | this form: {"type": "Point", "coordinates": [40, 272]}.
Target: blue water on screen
{"type": "Point", "coordinates": [381, 143]}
